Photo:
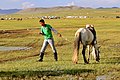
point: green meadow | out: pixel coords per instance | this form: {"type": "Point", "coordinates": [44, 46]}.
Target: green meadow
{"type": "Point", "coordinates": [22, 64]}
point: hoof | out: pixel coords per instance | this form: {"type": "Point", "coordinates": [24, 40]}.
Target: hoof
{"type": "Point", "coordinates": [75, 62]}
{"type": "Point", "coordinates": [86, 62]}
{"type": "Point", "coordinates": [98, 60]}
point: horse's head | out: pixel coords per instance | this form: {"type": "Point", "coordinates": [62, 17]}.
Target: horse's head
{"type": "Point", "coordinates": [97, 52]}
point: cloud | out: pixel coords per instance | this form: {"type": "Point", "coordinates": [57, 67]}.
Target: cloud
{"type": "Point", "coordinates": [107, 1]}
{"type": "Point", "coordinates": [15, 0]}
{"type": "Point", "coordinates": [27, 5]}
{"type": "Point", "coordinates": [97, 3]}
{"type": "Point", "coordinates": [111, 1]}
{"type": "Point", "coordinates": [71, 4]}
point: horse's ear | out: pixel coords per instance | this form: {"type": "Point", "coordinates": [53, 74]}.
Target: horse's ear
{"type": "Point", "coordinates": [92, 25]}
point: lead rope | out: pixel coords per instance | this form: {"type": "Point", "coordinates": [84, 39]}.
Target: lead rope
{"type": "Point", "coordinates": [66, 39]}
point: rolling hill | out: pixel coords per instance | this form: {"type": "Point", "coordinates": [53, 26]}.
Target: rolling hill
{"type": "Point", "coordinates": [47, 10]}
{"type": "Point", "coordinates": [9, 11]}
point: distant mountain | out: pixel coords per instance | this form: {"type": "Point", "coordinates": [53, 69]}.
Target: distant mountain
{"type": "Point", "coordinates": [45, 10]}
{"type": "Point", "coordinates": [107, 7]}
{"type": "Point", "coordinates": [9, 11]}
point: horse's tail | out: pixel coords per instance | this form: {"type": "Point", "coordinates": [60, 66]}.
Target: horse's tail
{"type": "Point", "coordinates": [76, 47]}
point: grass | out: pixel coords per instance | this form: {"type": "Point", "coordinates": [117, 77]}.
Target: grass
{"type": "Point", "coordinates": [23, 64]}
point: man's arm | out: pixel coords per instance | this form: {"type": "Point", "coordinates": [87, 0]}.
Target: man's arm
{"type": "Point", "coordinates": [55, 31]}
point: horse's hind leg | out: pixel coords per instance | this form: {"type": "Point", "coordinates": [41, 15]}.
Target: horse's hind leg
{"type": "Point", "coordinates": [83, 53]}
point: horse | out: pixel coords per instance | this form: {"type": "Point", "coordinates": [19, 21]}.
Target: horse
{"type": "Point", "coordinates": [86, 37]}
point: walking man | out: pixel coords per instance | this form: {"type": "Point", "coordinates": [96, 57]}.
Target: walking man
{"type": "Point", "coordinates": [46, 31]}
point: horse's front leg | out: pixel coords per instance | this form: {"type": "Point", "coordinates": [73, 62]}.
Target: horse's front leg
{"type": "Point", "coordinates": [83, 53]}
{"type": "Point", "coordinates": [88, 52]}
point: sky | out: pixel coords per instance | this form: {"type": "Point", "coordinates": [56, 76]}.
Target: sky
{"type": "Point", "coordinates": [22, 4]}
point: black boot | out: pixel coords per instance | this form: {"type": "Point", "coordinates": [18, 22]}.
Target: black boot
{"type": "Point", "coordinates": [41, 57]}
{"type": "Point", "coordinates": [55, 56]}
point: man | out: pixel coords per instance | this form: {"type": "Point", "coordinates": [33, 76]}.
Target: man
{"type": "Point", "coordinates": [91, 28]}
{"type": "Point", "coordinates": [48, 39]}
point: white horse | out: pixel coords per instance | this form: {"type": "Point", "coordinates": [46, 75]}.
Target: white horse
{"type": "Point", "coordinates": [87, 38]}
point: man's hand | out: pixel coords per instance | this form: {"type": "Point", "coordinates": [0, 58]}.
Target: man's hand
{"type": "Point", "coordinates": [59, 35]}
{"type": "Point", "coordinates": [41, 33]}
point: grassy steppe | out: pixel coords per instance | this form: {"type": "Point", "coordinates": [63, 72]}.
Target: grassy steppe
{"type": "Point", "coordinates": [23, 64]}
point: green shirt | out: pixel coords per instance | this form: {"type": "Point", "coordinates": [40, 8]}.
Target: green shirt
{"type": "Point", "coordinates": [46, 30]}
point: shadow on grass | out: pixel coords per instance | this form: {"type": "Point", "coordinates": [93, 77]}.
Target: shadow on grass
{"type": "Point", "coordinates": [110, 60]}
{"type": "Point", "coordinates": [23, 74]}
